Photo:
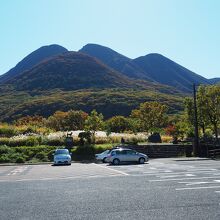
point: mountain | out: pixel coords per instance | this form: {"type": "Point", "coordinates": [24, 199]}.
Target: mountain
{"type": "Point", "coordinates": [214, 80]}
{"type": "Point", "coordinates": [74, 80]}
{"type": "Point", "coordinates": [32, 59]}
{"type": "Point", "coordinates": [115, 60]}
{"type": "Point", "coordinates": [152, 67]}
{"type": "Point", "coordinates": [165, 71]}
{"type": "Point", "coordinates": [69, 71]}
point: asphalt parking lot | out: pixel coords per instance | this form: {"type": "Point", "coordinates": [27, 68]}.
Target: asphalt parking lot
{"type": "Point", "coordinates": [160, 189]}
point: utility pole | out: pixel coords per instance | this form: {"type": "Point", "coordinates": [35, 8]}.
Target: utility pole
{"type": "Point", "coordinates": [196, 149]}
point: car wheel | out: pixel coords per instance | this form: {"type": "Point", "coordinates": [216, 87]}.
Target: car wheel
{"type": "Point", "coordinates": [116, 161]}
{"type": "Point", "coordinates": [141, 160]}
{"type": "Point", "coordinates": [103, 160]}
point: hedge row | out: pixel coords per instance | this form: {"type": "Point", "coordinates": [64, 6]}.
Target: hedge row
{"type": "Point", "coordinates": [24, 154]}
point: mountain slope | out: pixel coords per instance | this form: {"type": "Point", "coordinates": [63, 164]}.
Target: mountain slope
{"type": "Point", "coordinates": [152, 67]}
{"type": "Point", "coordinates": [214, 80]}
{"type": "Point", "coordinates": [165, 71]}
{"type": "Point", "coordinates": [115, 60]}
{"type": "Point", "coordinates": [109, 102]}
{"type": "Point", "coordinates": [69, 71]}
{"type": "Point", "coordinates": [32, 59]}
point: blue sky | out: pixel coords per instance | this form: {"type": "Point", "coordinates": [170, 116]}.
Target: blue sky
{"type": "Point", "coordinates": [186, 31]}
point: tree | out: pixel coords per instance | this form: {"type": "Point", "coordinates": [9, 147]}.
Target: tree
{"type": "Point", "coordinates": [35, 120]}
{"type": "Point", "coordinates": [58, 121]}
{"type": "Point", "coordinates": [64, 121]}
{"type": "Point", "coordinates": [93, 123]}
{"type": "Point", "coordinates": [76, 120]}
{"type": "Point", "coordinates": [208, 107]}
{"type": "Point", "coordinates": [211, 106]}
{"type": "Point", "coordinates": [117, 124]}
{"type": "Point", "coordinates": [151, 116]}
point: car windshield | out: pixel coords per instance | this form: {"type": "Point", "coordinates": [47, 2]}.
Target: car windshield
{"type": "Point", "coordinates": [61, 151]}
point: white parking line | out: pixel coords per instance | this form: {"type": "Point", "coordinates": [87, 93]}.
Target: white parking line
{"type": "Point", "coordinates": [193, 178]}
{"type": "Point", "coordinates": [194, 183]}
{"type": "Point", "coordinates": [17, 170]}
{"type": "Point", "coordinates": [200, 187]}
{"type": "Point", "coordinates": [201, 169]}
{"type": "Point", "coordinates": [117, 171]}
{"type": "Point", "coordinates": [199, 183]}
{"type": "Point", "coordinates": [61, 178]}
{"type": "Point", "coordinates": [168, 171]}
{"type": "Point", "coordinates": [174, 175]}
{"type": "Point", "coordinates": [165, 173]}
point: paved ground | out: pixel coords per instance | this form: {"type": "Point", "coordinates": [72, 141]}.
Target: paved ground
{"type": "Point", "coordinates": [160, 189]}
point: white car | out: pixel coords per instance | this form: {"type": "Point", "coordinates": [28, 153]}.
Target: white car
{"type": "Point", "coordinates": [102, 156]}
{"type": "Point", "coordinates": [126, 155]}
{"type": "Point", "coordinates": [62, 156]}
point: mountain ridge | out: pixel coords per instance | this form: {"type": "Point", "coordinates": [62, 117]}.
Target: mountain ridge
{"type": "Point", "coordinates": [68, 71]}
{"type": "Point", "coordinates": [166, 71]}
{"type": "Point", "coordinates": [33, 59]}
{"type": "Point", "coordinates": [163, 71]}
{"type": "Point", "coordinates": [115, 60]}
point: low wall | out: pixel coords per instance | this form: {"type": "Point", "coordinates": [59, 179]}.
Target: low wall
{"type": "Point", "coordinates": [164, 150]}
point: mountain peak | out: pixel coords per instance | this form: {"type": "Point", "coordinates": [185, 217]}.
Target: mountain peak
{"type": "Point", "coordinates": [100, 51]}
{"type": "Point", "coordinates": [165, 71]}
{"type": "Point", "coordinates": [33, 59]}
{"type": "Point", "coordinates": [114, 60]}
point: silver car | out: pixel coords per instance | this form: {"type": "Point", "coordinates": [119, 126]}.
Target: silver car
{"type": "Point", "coordinates": [62, 156]}
{"type": "Point", "coordinates": [126, 155]}
{"type": "Point", "coordinates": [102, 156]}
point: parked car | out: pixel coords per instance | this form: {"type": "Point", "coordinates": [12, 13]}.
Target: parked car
{"type": "Point", "coordinates": [62, 156]}
{"type": "Point", "coordinates": [102, 156]}
{"type": "Point", "coordinates": [126, 155]}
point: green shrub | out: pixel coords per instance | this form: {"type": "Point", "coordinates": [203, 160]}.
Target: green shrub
{"type": "Point", "coordinates": [14, 156]}
{"type": "Point", "coordinates": [27, 153]}
{"type": "Point", "coordinates": [102, 147]}
{"type": "Point", "coordinates": [50, 155]}
{"type": "Point", "coordinates": [32, 141]}
{"type": "Point", "coordinates": [54, 142]}
{"type": "Point", "coordinates": [20, 160]}
{"type": "Point", "coordinates": [99, 150]}
{"type": "Point", "coordinates": [83, 153]}
{"type": "Point", "coordinates": [4, 158]}
{"type": "Point", "coordinates": [5, 150]}
{"type": "Point", "coordinates": [4, 141]}
{"type": "Point", "coordinates": [42, 156]}
{"type": "Point", "coordinates": [7, 131]}
{"type": "Point", "coordinates": [17, 142]}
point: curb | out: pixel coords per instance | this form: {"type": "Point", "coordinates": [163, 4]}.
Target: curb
{"type": "Point", "coordinates": [42, 163]}
{"type": "Point", "coordinates": [24, 164]}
